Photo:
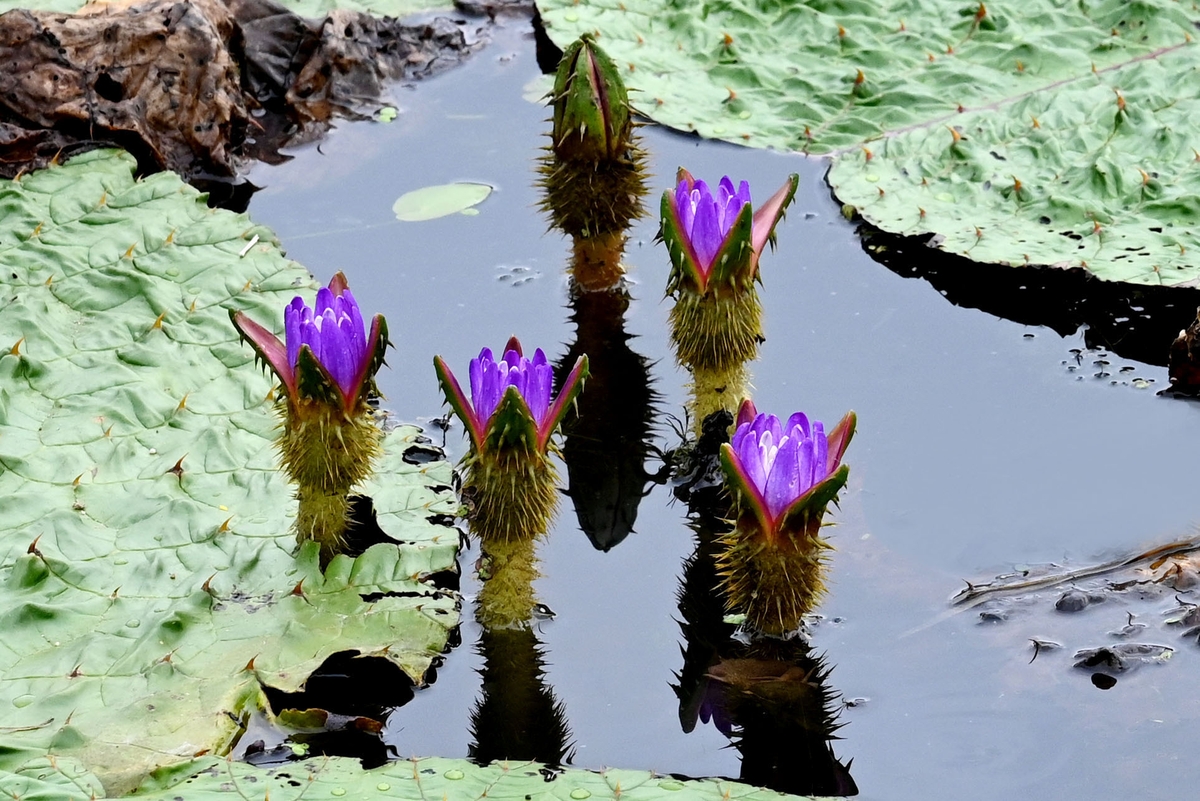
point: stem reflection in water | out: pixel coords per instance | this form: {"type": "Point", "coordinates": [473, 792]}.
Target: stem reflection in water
{"type": "Point", "coordinates": [517, 716]}
{"type": "Point", "coordinates": [769, 696]}
{"type": "Point", "coordinates": [607, 442]}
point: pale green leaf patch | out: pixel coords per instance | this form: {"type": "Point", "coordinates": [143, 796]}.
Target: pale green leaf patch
{"type": "Point", "coordinates": [432, 202]}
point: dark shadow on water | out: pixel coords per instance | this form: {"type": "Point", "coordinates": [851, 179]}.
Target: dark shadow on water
{"type": "Point", "coordinates": [1135, 322]}
{"type": "Point", "coordinates": [517, 716]}
{"type": "Point", "coordinates": [608, 441]}
{"type": "Point", "coordinates": [339, 712]}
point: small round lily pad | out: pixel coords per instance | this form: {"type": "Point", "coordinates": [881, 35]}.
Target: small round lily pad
{"type": "Point", "coordinates": [432, 202]}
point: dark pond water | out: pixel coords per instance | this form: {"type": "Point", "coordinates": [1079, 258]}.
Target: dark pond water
{"type": "Point", "coordinates": [983, 445]}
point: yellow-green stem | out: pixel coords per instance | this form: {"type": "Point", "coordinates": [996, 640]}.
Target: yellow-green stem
{"type": "Point", "coordinates": [717, 390]}
{"type": "Point", "coordinates": [717, 330]}
{"type": "Point", "coordinates": [514, 494]}
{"type": "Point", "coordinates": [774, 581]}
{"type": "Point", "coordinates": [506, 596]}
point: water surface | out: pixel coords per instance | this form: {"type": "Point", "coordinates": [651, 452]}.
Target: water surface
{"type": "Point", "coordinates": [978, 450]}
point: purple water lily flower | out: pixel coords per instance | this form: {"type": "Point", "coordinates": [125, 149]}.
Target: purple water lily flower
{"type": "Point", "coordinates": [492, 381]}
{"type": "Point", "coordinates": [719, 234]}
{"type": "Point", "coordinates": [332, 333]}
{"type": "Point", "coordinates": [706, 219]}
{"type": "Point", "coordinates": [783, 467]}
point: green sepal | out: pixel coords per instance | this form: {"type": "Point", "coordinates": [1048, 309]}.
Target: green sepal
{"type": "Point", "coordinates": [313, 381]}
{"type": "Point", "coordinates": [567, 394]}
{"type": "Point", "coordinates": [268, 350]}
{"type": "Point", "coordinates": [803, 517]}
{"type": "Point", "coordinates": [686, 274]}
{"type": "Point", "coordinates": [459, 403]}
{"type": "Point", "coordinates": [377, 343]}
{"type": "Point", "coordinates": [768, 214]}
{"type": "Point", "coordinates": [591, 105]}
{"type": "Point", "coordinates": [511, 427]}
{"type": "Point", "coordinates": [746, 494]}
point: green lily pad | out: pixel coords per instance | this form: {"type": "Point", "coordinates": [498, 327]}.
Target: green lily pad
{"type": "Point", "coordinates": [435, 778]}
{"type": "Point", "coordinates": [1039, 133]}
{"type": "Point", "coordinates": [443, 200]}
{"type": "Point", "coordinates": [148, 585]}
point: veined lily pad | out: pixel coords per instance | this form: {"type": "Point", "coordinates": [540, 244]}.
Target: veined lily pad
{"type": "Point", "coordinates": [210, 779]}
{"type": "Point", "coordinates": [1039, 133]}
{"type": "Point", "coordinates": [432, 202]}
{"type": "Point", "coordinates": [148, 586]}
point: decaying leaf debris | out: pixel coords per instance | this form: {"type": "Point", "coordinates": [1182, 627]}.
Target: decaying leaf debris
{"type": "Point", "coordinates": [197, 86]}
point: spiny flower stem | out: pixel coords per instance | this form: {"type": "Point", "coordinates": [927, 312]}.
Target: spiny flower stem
{"type": "Point", "coordinates": [716, 390]}
{"type": "Point", "coordinates": [596, 265]}
{"type": "Point", "coordinates": [514, 493]}
{"type": "Point", "coordinates": [326, 451]}
{"type": "Point", "coordinates": [773, 583]}
{"type": "Point", "coordinates": [506, 598]}
{"type": "Point", "coordinates": [716, 331]}
{"type": "Point", "coordinates": [322, 518]}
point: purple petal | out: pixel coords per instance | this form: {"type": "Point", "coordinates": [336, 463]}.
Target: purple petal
{"type": "Point", "coordinates": [750, 456]}
{"type": "Point", "coordinates": [485, 390]}
{"type": "Point", "coordinates": [706, 235]}
{"type": "Point", "coordinates": [803, 457]}
{"type": "Point", "coordinates": [324, 299]}
{"type": "Point", "coordinates": [820, 453]}
{"type": "Point", "coordinates": [332, 349]}
{"type": "Point", "coordinates": [783, 482]}
{"type": "Point", "coordinates": [725, 189]}
{"type": "Point", "coordinates": [537, 394]}
{"type": "Point", "coordinates": [729, 212]}
{"type": "Point", "coordinates": [475, 374]}
{"type": "Point", "coordinates": [740, 434]}
{"type": "Point", "coordinates": [293, 313]}
{"type": "Point", "coordinates": [349, 307]}
{"type": "Point", "coordinates": [743, 194]}
{"type": "Point", "coordinates": [799, 419]}
{"type": "Point", "coordinates": [685, 207]}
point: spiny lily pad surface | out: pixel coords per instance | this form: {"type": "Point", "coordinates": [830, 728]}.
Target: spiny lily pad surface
{"type": "Point", "coordinates": [1037, 132]}
{"type": "Point", "coordinates": [148, 585]}
{"type": "Point", "coordinates": [210, 779]}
